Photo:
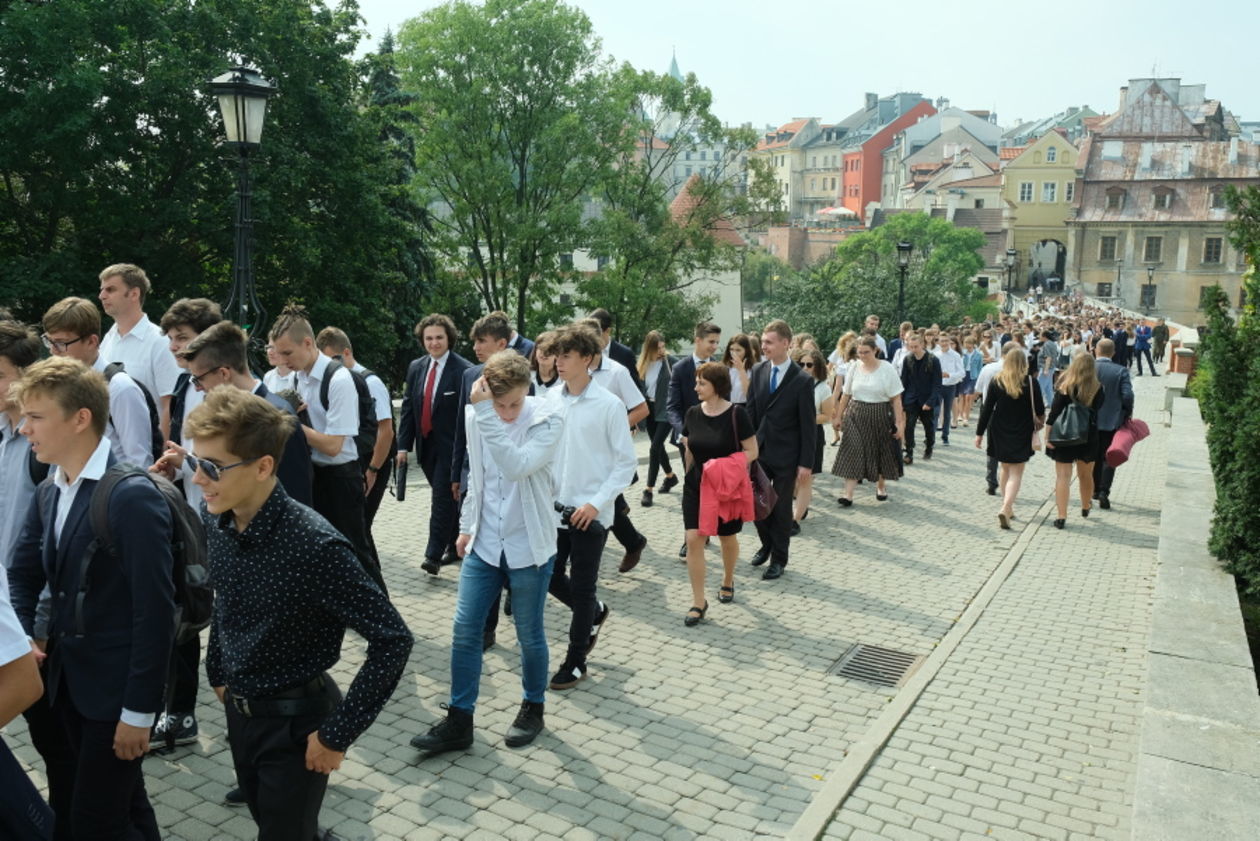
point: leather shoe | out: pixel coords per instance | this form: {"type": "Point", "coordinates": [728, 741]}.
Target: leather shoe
{"type": "Point", "coordinates": [431, 565]}
{"type": "Point", "coordinates": [1104, 502]}
{"type": "Point", "coordinates": [796, 528]}
{"type": "Point", "coordinates": [992, 490]}
{"type": "Point", "coordinates": [760, 557]}
{"type": "Point", "coordinates": [775, 570]}
{"type": "Point", "coordinates": [632, 556]}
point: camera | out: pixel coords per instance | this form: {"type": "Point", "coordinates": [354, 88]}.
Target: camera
{"type": "Point", "coordinates": [566, 513]}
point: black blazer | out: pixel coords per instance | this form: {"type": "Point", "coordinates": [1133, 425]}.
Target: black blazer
{"type": "Point", "coordinates": [682, 391]}
{"type": "Point", "coordinates": [294, 469]}
{"type": "Point", "coordinates": [129, 611]}
{"type": "Point", "coordinates": [522, 345]}
{"type": "Point", "coordinates": [784, 420]}
{"type": "Point", "coordinates": [445, 407]}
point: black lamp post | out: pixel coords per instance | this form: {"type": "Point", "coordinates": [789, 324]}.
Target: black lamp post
{"type": "Point", "coordinates": [243, 93]}
{"type": "Point", "coordinates": [903, 265]}
{"type": "Point", "coordinates": [1009, 265]}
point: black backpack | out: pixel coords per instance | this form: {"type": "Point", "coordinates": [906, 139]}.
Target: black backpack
{"type": "Point", "coordinates": [158, 443]}
{"type": "Point", "coordinates": [194, 597]}
{"type": "Point", "coordinates": [178, 400]}
{"type": "Point", "coordinates": [365, 438]}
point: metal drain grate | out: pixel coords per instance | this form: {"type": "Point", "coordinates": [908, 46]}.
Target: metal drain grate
{"type": "Point", "coordinates": [881, 666]}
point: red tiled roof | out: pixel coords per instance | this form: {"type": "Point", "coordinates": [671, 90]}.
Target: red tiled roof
{"type": "Point", "coordinates": [1010, 153]}
{"type": "Point", "coordinates": [684, 206]}
{"type": "Point", "coordinates": [789, 129]}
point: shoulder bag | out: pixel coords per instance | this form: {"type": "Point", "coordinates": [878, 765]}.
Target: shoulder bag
{"type": "Point", "coordinates": [1071, 427]}
{"type": "Point", "coordinates": [1032, 410]}
{"type": "Point", "coordinates": [763, 494]}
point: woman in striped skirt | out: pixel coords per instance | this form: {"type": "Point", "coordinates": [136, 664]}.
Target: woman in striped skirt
{"type": "Point", "coordinates": [872, 421]}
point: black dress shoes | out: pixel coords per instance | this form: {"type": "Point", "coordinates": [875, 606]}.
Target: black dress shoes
{"type": "Point", "coordinates": [455, 732]}
{"type": "Point", "coordinates": [775, 570]}
{"type": "Point", "coordinates": [527, 726]}
{"type": "Point", "coordinates": [431, 565]}
{"type": "Point", "coordinates": [760, 557]}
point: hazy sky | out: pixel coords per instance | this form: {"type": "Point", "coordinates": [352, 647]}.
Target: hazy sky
{"type": "Point", "coordinates": [768, 62]}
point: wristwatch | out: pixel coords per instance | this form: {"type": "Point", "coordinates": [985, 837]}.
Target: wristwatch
{"type": "Point", "coordinates": [374, 469]}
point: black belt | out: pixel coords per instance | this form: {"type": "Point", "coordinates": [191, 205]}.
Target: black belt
{"type": "Point", "coordinates": [308, 699]}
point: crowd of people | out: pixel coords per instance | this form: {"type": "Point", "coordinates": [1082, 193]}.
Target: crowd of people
{"type": "Point", "coordinates": [147, 466]}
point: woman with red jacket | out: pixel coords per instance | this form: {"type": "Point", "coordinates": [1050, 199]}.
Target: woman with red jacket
{"type": "Point", "coordinates": [718, 435]}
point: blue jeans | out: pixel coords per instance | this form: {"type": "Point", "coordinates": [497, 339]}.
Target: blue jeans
{"type": "Point", "coordinates": [943, 412]}
{"type": "Point", "coordinates": [479, 588]}
{"type": "Point", "coordinates": [1046, 381]}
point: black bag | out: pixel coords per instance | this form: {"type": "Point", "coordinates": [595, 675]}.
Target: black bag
{"type": "Point", "coordinates": [365, 438]}
{"type": "Point", "coordinates": [763, 493]}
{"type": "Point", "coordinates": [24, 816]}
{"type": "Point", "coordinates": [158, 443]}
{"type": "Point", "coordinates": [1071, 427]}
{"type": "Point", "coordinates": [194, 597]}
{"type": "Point", "coordinates": [178, 402]}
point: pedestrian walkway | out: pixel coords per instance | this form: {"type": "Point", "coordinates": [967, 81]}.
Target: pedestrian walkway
{"type": "Point", "coordinates": [729, 730]}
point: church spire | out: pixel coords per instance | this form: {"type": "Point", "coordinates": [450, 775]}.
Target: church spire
{"type": "Point", "coordinates": [673, 67]}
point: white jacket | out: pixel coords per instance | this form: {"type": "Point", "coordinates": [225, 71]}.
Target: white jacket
{"type": "Point", "coordinates": [529, 465]}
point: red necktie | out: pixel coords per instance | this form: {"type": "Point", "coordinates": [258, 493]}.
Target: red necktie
{"type": "Point", "coordinates": [426, 408]}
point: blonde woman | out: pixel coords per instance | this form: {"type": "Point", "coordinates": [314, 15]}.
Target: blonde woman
{"type": "Point", "coordinates": [839, 364]}
{"type": "Point", "coordinates": [1079, 384]}
{"type": "Point", "coordinates": [655, 371]}
{"type": "Point", "coordinates": [1013, 411]}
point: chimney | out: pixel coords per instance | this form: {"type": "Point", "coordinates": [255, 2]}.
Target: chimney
{"type": "Point", "coordinates": [872, 99]}
{"type": "Point", "coordinates": [1124, 96]}
{"type": "Point", "coordinates": [1233, 151]}
{"type": "Point", "coordinates": [1187, 155]}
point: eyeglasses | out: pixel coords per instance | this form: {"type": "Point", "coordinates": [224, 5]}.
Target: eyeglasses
{"type": "Point", "coordinates": [196, 379]}
{"type": "Point", "coordinates": [60, 347]}
{"type": "Point", "coordinates": [213, 471]}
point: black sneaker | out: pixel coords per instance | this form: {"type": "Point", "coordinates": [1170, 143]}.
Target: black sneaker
{"type": "Point", "coordinates": [927, 454]}
{"type": "Point", "coordinates": [569, 675]}
{"type": "Point", "coordinates": [235, 797]}
{"type": "Point", "coordinates": [173, 729]}
{"type": "Point", "coordinates": [526, 727]}
{"type": "Point", "coordinates": [597, 627]}
{"type": "Point", "coordinates": [455, 732]}
{"type": "Point", "coordinates": [796, 528]}
{"type": "Point", "coordinates": [669, 484]}
{"type": "Point", "coordinates": [646, 502]}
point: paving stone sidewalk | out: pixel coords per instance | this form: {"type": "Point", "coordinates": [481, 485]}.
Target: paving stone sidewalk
{"type": "Point", "coordinates": [727, 730]}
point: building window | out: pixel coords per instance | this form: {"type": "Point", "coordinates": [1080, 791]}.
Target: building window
{"type": "Point", "coordinates": [686, 156]}
{"type": "Point", "coordinates": [600, 262]}
{"type": "Point", "coordinates": [1050, 192]}
{"type": "Point", "coordinates": [1115, 200]}
{"type": "Point", "coordinates": [813, 161]}
{"type": "Point", "coordinates": [686, 172]}
{"type": "Point", "coordinates": [979, 203]}
{"type": "Point", "coordinates": [1163, 199]}
{"type": "Point", "coordinates": [1212, 250]}
{"type": "Point", "coordinates": [1153, 250]}
{"type": "Point", "coordinates": [1218, 198]}
{"type": "Point", "coordinates": [1025, 191]}
{"type": "Point", "coordinates": [704, 156]}
{"type": "Point", "coordinates": [566, 261]}
{"type": "Point", "coordinates": [811, 185]}
{"type": "Point", "coordinates": [1107, 250]}
{"type": "Point", "coordinates": [1069, 191]}
{"type": "Point", "coordinates": [1104, 290]}
{"type": "Point", "coordinates": [1148, 295]}
{"type": "Point", "coordinates": [1052, 155]}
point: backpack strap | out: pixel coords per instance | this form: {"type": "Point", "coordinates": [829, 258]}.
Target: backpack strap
{"type": "Point", "coordinates": [334, 365]}
{"type": "Point", "coordinates": [178, 402]}
{"type": "Point", "coordinates": [98, 518]}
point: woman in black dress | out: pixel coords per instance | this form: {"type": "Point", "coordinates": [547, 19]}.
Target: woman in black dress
{"type": "Point", "coordinates": [709, 432]}
{"type": "Point", "coordinates": [1078, 384]}
{"type": "Point", "coordinates": [1013, 412]}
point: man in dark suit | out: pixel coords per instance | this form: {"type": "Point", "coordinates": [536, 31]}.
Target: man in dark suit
{"type": "Point", "coordinates": [1117, 408]}
{"type": "Point", "coordinates": [781, 405]}
{"type": "Point", "coordinates": [109, 645]}
{"type": "Point", "coordinates": [429, 419]}
{"type": "Point", "coordinates": [520, 344]}
{"type": "Point", "coordinates": [616, 351]}
{"type": "Point", "coordinates": [682, 386]}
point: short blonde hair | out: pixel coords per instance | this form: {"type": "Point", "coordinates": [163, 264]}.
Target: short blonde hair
{"type": "Point", "coordinates": [505, 371]}
{"type": "Point", "coordinates": [70, 384]}
{"type": "Point", "coordinates": [249, 425]}
{"type": "Point", "coordinates": [75, 315]}
{"type": "Point", "coordinates": [132, 275]}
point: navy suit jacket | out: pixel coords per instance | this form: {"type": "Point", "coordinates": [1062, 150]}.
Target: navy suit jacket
{"type": "Point", "coordinates": [784, 420]}
{"type": "Point", "coordinates": [682, 391]}
{"type": "Point", "coordinates": [1117, 387]}
{"type": "Point", "coordinates": [294, 469]}
{"type": "Point", "coordinates": [522, 345]}
{"type": "Point", "coordinates": [129, 611]}
{"type": "Point", "coordinates": [441, 440]}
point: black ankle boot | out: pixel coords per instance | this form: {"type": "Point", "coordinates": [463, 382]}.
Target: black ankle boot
{"type": "Point", "coordinates": [528, 724]}
{"type": "Point", "coordinates": [454, 733]}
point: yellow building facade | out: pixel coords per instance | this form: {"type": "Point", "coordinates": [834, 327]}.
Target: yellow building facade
{"type": "Point", "coordinates": [1038, 189]}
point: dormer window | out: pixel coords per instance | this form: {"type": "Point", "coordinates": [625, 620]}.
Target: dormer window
{"type": "Point", "coordinates": [1216, 198]}
{"type": "Point", "coordinates": [1115, 198]}
{"type": "Point", "coordinates": [1163, 197]}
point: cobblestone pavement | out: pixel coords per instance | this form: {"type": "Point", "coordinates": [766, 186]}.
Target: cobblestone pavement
{"type": "Point", "coordinates": [727, 730]}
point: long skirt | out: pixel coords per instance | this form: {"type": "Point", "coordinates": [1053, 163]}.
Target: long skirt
{"type": "Point", "coordinates": [867, 447]}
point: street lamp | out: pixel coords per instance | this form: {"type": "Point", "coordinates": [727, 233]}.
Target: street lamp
{"type": "Point", "coordinates": [1009, 266]}
{"type": "Point", "coordinates": [903, 265]}
{"type": "Point", "coordinates": [243, 93]}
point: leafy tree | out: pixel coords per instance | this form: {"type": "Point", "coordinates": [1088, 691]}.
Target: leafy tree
{"type": "Point", "coordinates": [862, 278]}
{"type": "Point", "coordinates": [763, 272]}
{"type": "Point", "coordinates": [515, 127]}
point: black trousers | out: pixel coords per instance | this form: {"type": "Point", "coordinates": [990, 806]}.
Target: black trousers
{"type": "Point", "coordinates": [573, 582]}
{"type": "Point", "coordinates": [1103, 473]}
{"type": "Point", "coordinates": [658, 456]}
{"type": "Point", "coordinates": [775, 530]}
{"type": "Point", "coordinates": [918, 415]}
{"type": "Point", "coordinates": [372, 503]}
{"type": "Point", "coordinates": [109, 802]}
{"type": "Point", "coordinates": [625, 532]}
{"type": "Point", "coordinates": [1150, 363]}
{"type": "Point", "coordinates": [991, 471]}
{"type": "Point", "coordinates": [185, 675]}
{"type": "Point", "coordinates": [270, 758]}
{"type": "Point", "coordinates": [443, 512]}
{"type": "Point", "coordinates": [338, 497]}
{"type": "Point", "coordinates": [48, 735]}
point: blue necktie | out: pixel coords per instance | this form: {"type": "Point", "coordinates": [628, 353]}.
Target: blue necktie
{"type": "Point", "coordinates": [774, 379]}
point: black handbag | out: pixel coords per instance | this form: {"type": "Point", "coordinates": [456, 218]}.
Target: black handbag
{"type": "Point", "coordinates": [763, 493]}
{"type": "Point", "coordinates": [1071, 427]}
{"type": "Point", "coordinates": [24, 816]}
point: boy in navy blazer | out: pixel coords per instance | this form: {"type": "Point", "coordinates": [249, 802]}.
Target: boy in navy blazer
{"type": "Point", "coordinates": [108, 655]}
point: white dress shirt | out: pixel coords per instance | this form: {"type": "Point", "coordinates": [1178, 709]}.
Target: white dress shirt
{"type": "Point", "coordinates": [614, 377]}
{"type": "Point", "coordinates": [130, 427]}
{"type": "Point", "coordinates": [951, 366]}
{"type": "Point", "coordinates": [192, 491]}
{"type": "Point", "coordinates": [501, 527]}
{"type": "Point", "coordinates": [95, 468]}
{"type": "Point", "coordinates": [987, 373]}
{"type": "Point", "coordinates": [145, 354]}
{"type": "Point", "coordinates": [277, 382]}
{"type": "Point", "coordinates": [380, 394]}
{"type": "Point", "coordinates": [342, 417]}
{"type": "Point", "coordinates": [14, 643]}
{"type": "Point", "coordinates": [596, 459]}
{"type": "Point", "coordinates": [782, 369]}
{"type": "Point", "coordinates": [653, 374]}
